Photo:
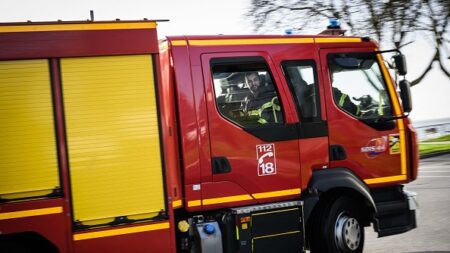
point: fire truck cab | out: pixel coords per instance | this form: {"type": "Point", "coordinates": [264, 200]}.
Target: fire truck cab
{"type": "Point", "coordinates": [113, 142]}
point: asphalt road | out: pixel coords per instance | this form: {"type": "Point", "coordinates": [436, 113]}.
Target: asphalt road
{"type": "Point", "coordinates": [433, 232]}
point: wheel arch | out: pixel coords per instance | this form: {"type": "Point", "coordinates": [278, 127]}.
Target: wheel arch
{"type": "Point", "coordinates": [26, 242]}
{"type": "Point", "coordinates": [326, 184]}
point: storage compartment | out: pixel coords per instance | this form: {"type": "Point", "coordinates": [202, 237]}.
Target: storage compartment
{"type": "Point", "coordinates": [113, 139]}
{"type": "Point", "coordinates": [276, 227]}
{"type": "Point", "coordinates": [28, 157]}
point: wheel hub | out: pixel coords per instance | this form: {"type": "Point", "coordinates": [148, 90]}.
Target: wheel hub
{"type": "Point", "coordinates": [347, 233]}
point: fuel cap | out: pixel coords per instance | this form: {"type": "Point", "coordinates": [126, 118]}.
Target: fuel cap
{"type": "Point", "coordinates": [209, 229]}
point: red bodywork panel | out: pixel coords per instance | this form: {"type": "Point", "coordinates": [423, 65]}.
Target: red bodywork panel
{"type": "Point", "coordinates": [23, 45]}
{"type": "Point", "coordinates": [199, 118]}
{"type": "Point", "coordinates": [205, 133]}
{"type": "Point", "coordinates": [52, 226]}
{"type": "Point", "coordinates": [145, 242]}
{"type": "Point", "coordinates": [168, 115]}
{"type": "Point", "coordinates": [413, 151]}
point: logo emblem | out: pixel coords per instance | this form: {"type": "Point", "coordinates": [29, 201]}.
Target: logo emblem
{"type": "Point", "coordinates": [265, 155]}
{"type": "Point", "coordinates": [375, 147]}
{"type": "Point", "coordinates": [394, 144]}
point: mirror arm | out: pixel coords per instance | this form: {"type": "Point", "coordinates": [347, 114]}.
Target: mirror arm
{"type": "Point", "coordinates": [388, 51]}
{"type": "Point", "coordinates": [405, 115]}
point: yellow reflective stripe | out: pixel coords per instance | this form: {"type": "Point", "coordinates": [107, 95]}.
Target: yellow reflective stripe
{"type": "Point", "coordinates": [229, 42]}
{"type": "Point", "coordinates": [243, 197]}
{"type": "Point", "coordinates": [397, 111]}
{"type": "Point", "coordinates": [265, 106]}
{"type": "Point", "coordinates": [402, 145]}
{"type": "Point", "coordinates": [277, 211]}
{"type": "Point", "coordinates": [380, 180]}
{"type": "Point", "coordinates": [76, 27]}
{"type": "Point", "coordinates": [380, 104]}
{"type": "Point", "coordinates": [235, 198]}
{"type": "Point", "coordinates": [261, 41]}
{"type": "Point", "coordinates": [390, 86]}
{"type": "Point", "coordinates": [337, 40]}
{"type": "Point", "coordinates": [262, 121]}
{"type": "Point", "coordinates": [178, 43]}
{"type": "Point", "coordinates": [121, 231]}
{"type": "Point", "coordinates": [275, 108]}
{"type": "Point", "coordinates": [177, 203]}
{"type": "Point", "coordinates": [268, 236]}
{"type": "Point", "coordinates": [30, 213]}
{"type": "Point", "coordinates": [270, 104]}
{"type": "Point", "coordinates": [254, 113]}
{"type": "Point", "coordinates": [272, 194]}
{"type": "Point", "coordinates": [194, 203]}
{"type": "Point", "coordinates": [342, 99]}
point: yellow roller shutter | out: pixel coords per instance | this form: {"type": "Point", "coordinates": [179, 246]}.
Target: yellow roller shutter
{"type": "Point", "coordinates": [113, 137]}
{"type": "Point", "coordinates": [28, 161]}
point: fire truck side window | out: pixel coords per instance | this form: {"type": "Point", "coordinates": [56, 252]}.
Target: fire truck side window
{"type": "Point", "coordinates": [359, 87]}
{"type": "Point", "coordinates": [302, 79]}
{"type": "Point", "coordinates": [245, 92]}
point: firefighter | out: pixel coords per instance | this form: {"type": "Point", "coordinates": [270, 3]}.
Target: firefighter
{"type": "Point", "coordinates": [262, 101]}
{"type": "Point", "coordinates": [344, 101]}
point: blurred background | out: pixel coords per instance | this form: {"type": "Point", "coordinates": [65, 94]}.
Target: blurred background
{"type": "Point", "coordinates": [420, 28]}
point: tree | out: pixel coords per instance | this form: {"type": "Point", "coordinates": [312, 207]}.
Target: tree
{"type": "Point", "coordinates": [391, 22]}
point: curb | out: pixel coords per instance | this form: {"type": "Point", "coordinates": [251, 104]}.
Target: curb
{"type": "Point", "coordinates": [434, 154]}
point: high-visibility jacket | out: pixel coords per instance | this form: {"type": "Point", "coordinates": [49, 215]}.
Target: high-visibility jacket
{"type": "Point", "coordinates": [264, 107]}
{"type": "Point", "coordinates": [344, 102]}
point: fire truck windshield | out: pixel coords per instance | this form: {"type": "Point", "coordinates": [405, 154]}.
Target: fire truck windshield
{"type": "Point", "coordinates": [358, 85]}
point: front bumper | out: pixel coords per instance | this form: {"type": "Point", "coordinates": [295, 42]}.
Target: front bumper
{"type": "Point", "coordinates": [396, 211]}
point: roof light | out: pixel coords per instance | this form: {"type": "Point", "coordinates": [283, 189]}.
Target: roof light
{"type": "Point", "coordinates": [334, 28]}
{"type": "Point", "coordinates": [334, 23]}
{"type": "Point", "coordinates": [288, 31]}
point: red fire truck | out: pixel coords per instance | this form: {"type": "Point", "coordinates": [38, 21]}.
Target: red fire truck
{"type": "Point", "coordinates": [114, 142]}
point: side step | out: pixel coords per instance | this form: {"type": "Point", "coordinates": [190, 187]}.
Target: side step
{"type": "Point", "coordinates": [396, 210]}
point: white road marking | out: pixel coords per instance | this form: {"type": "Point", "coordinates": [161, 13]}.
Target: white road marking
{"type": "Point", "coordinates": [432, 176]}
{"type": "Point", "coordinates": [436, 171]}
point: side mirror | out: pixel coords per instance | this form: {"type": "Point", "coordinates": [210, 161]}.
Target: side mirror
{"type": "Point", "coordinates": [400, 64]}
{"type": "Point", "coordinates": [405, 94]}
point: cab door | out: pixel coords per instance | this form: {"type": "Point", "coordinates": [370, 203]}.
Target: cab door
{"type": "Point", "coordinates": [361, 102]}
{"type": "Point", "coordinates": [254, 149]}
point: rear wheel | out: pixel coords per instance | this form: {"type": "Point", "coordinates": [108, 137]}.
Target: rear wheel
{"type": "Point", "coordinates": [337, 227]}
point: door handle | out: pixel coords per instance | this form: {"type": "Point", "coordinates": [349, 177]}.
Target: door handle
{"type": "Point", "coordinates": [220, 165]}
{"type": "Point", "coordinates": [337, 153]}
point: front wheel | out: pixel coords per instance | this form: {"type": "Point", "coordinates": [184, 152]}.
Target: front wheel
{"type": "Point", "coordinates": [337, 227]}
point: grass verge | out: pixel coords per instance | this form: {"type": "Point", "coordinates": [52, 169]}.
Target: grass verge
{"type": "Point", "coordinates": [426, 149]}
{"type": "Point", "coordinates": [442, 138]}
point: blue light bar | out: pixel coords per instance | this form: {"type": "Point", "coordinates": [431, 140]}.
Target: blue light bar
{"type": "Point", "coordinates": [334, 23]}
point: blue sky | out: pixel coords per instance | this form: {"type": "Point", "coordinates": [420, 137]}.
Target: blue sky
{"type": "Point", "coordinates": [431, 97]}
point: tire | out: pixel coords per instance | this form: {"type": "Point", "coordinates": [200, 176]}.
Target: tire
{"type": "Point", "coordinates": [13, 247]}
{"type": "Point", "coordinates": [336, 227]}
